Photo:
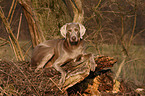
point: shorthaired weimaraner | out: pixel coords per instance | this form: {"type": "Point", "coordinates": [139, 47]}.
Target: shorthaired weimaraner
{"type": "Point", "coordinates": [56, 52]}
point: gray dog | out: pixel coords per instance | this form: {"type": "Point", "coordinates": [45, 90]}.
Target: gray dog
{"type": "Point", "coordinates": [56, 52]}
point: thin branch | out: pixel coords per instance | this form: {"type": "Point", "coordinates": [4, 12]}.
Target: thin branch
{"type": "Point", "coordinates": [122, 35]}
{"type": "Point", "coordinates": [27, 50]}
{"type": "Point", "coordinates": [3, 39]}
{"type": "Point", "coordinates": [8, 28]}
{"type": "Point", "coordinates": [4, 91]}
{"type": "Point", "coordinates": [56, 85]}
{"type": "Point", "coordinates": [4, 43]}
{"type": "Point", "coordinates": [35, 32]}
{"type": "Point", "coordinates": [26, 44]}
{"type": "Point", "coordinates": [19, 26]}
{"type": "Point", "coordinates": [26, 78]}
{"type": "Point", "coordinates": [11, 9]}
{"type": "Point", "coordinates": [120, 68]}
{"type": "Point", "coordinates": [134, 26]}
{"type": "Point", "coordinates": [125, 53]}
{"type": "Point", "coordinates": [98, 4]}
{"type": "Point", "coordinates": [138, 34]}
{"type": "Point", "coordinates": [111, 12]}
{"type": "Point", "coordinates": [15, 4]}
{"type": "Point", "coordinates": [14, 49]}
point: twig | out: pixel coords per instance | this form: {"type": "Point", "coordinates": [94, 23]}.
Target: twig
{"type": "Point", "coordinates": [4, 43]}
{"type": "Point", "coordinates": [134, 25]}
{"type": "Point", "coordinates": [56, 85]}
{"type": "Point", "coordinates": [120, 68]}
{"type": "Point", "coordinates": [35, 32]}
{"type": "Point", "coordinates": [4, 91]}
{"type": "Point", "coordinates": [122, 35]}
{"type": "Point", "coordinates": [8, 28]}
{"type": "Point", "coordinates": [98, 4]}
{"type": "Point", "coordinates": [26, 78]}
{"type": "Point", "coordinates": [111, 12]}
{"type": "Point", "coordinates": [25, 44]}
{"type": "Point", "coordinates": [27, 51]}
{"type": "Point", "coordinates": [125, 53]}
{"type": "Point", "coordinates": [138, 33]}
{"type": "Point", "coordinates": [19, 26]}
{"type": "Point", "coordinates": [79, 93]}
{"type": "Point", "coordinates": [5, 72]}
{"type": "Point", "coordinates": [16, 79]}
{"type": "Point", "coordinates": [11, 9]}
{"type": "Point", "coordinates": [131, 38]}
{"type": "Point", "coordinates": [14, 49]}
{"type": "Point", "coordinates": [15, 4]}
{"type": "Point", "coordinates": [3, 39]}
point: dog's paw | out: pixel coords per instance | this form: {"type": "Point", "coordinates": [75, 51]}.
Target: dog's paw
{"type": "Point", "coordinates": [93, 66]}
{"type": "Point", "coordinates": [61, 82]}
{"type": "Point", "coordinates": [62, 79]}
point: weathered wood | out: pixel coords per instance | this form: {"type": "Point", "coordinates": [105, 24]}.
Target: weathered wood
{"type": "Point", "coordinates": [78, 11]}
{"type": "Point", "coordinates": [76, 73]}
{"type": "Point", "coordinates": [35, 31]}
{"type": "Point", "coordinates": [45, 82]}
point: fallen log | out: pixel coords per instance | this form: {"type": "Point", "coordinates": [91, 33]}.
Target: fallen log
{"type": "Point", "coordinates": [18, 79]}
{"type": "Point", "coordinates": [80, 71]}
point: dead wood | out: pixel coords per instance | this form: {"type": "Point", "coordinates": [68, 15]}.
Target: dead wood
{"type": "Point", "coordinates": [17, 78]}
{"type": "Point", "coordinates": [13, 40]}
{"type": "Point", "coordinates": [35, 31]}
{"type": "Point", "coordinates": [22, 78]}
{"type": "Point", "coordinates": [78, 11]}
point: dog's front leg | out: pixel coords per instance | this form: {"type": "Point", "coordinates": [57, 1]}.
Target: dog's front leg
{"type": "Point", "coordinates": [90, 56]}
{"type": "Point", "coordinates": [93, 64]}
{"type": "Point", "coordinates": [57, 65]}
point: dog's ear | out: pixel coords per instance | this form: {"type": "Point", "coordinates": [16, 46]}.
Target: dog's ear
{"type": "Point", "coordinates": [82, 31]}
{"type": "Point", "coordinates": [63, 30]}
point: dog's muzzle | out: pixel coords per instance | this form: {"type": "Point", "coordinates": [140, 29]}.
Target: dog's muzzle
{"type": "Point", "coordinates": [74, 39]}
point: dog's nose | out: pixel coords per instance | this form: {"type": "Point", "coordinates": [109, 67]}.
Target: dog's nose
{"type": "Point", "coordinates": [73, 38]}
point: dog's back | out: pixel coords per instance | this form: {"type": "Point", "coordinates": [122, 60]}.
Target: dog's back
{"type": "Point", "coordinates": [45, 48]}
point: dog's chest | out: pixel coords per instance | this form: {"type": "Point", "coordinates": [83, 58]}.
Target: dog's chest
{"type": "Point", "coordinates": [75, 53]}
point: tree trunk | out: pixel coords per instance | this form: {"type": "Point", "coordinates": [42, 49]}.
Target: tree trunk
{"type": "Point", "coordinates": [35, 31]}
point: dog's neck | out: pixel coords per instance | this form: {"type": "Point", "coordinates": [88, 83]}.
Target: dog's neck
{"type": "Point", "coordinates": [72, 45]}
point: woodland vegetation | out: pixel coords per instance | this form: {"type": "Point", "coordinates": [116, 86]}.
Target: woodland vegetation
{"type": "Point", "coordinates": [115, 28]}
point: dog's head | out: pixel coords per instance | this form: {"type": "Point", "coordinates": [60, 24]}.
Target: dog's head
{"type": "Point", "coordinates": [73, 31]}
